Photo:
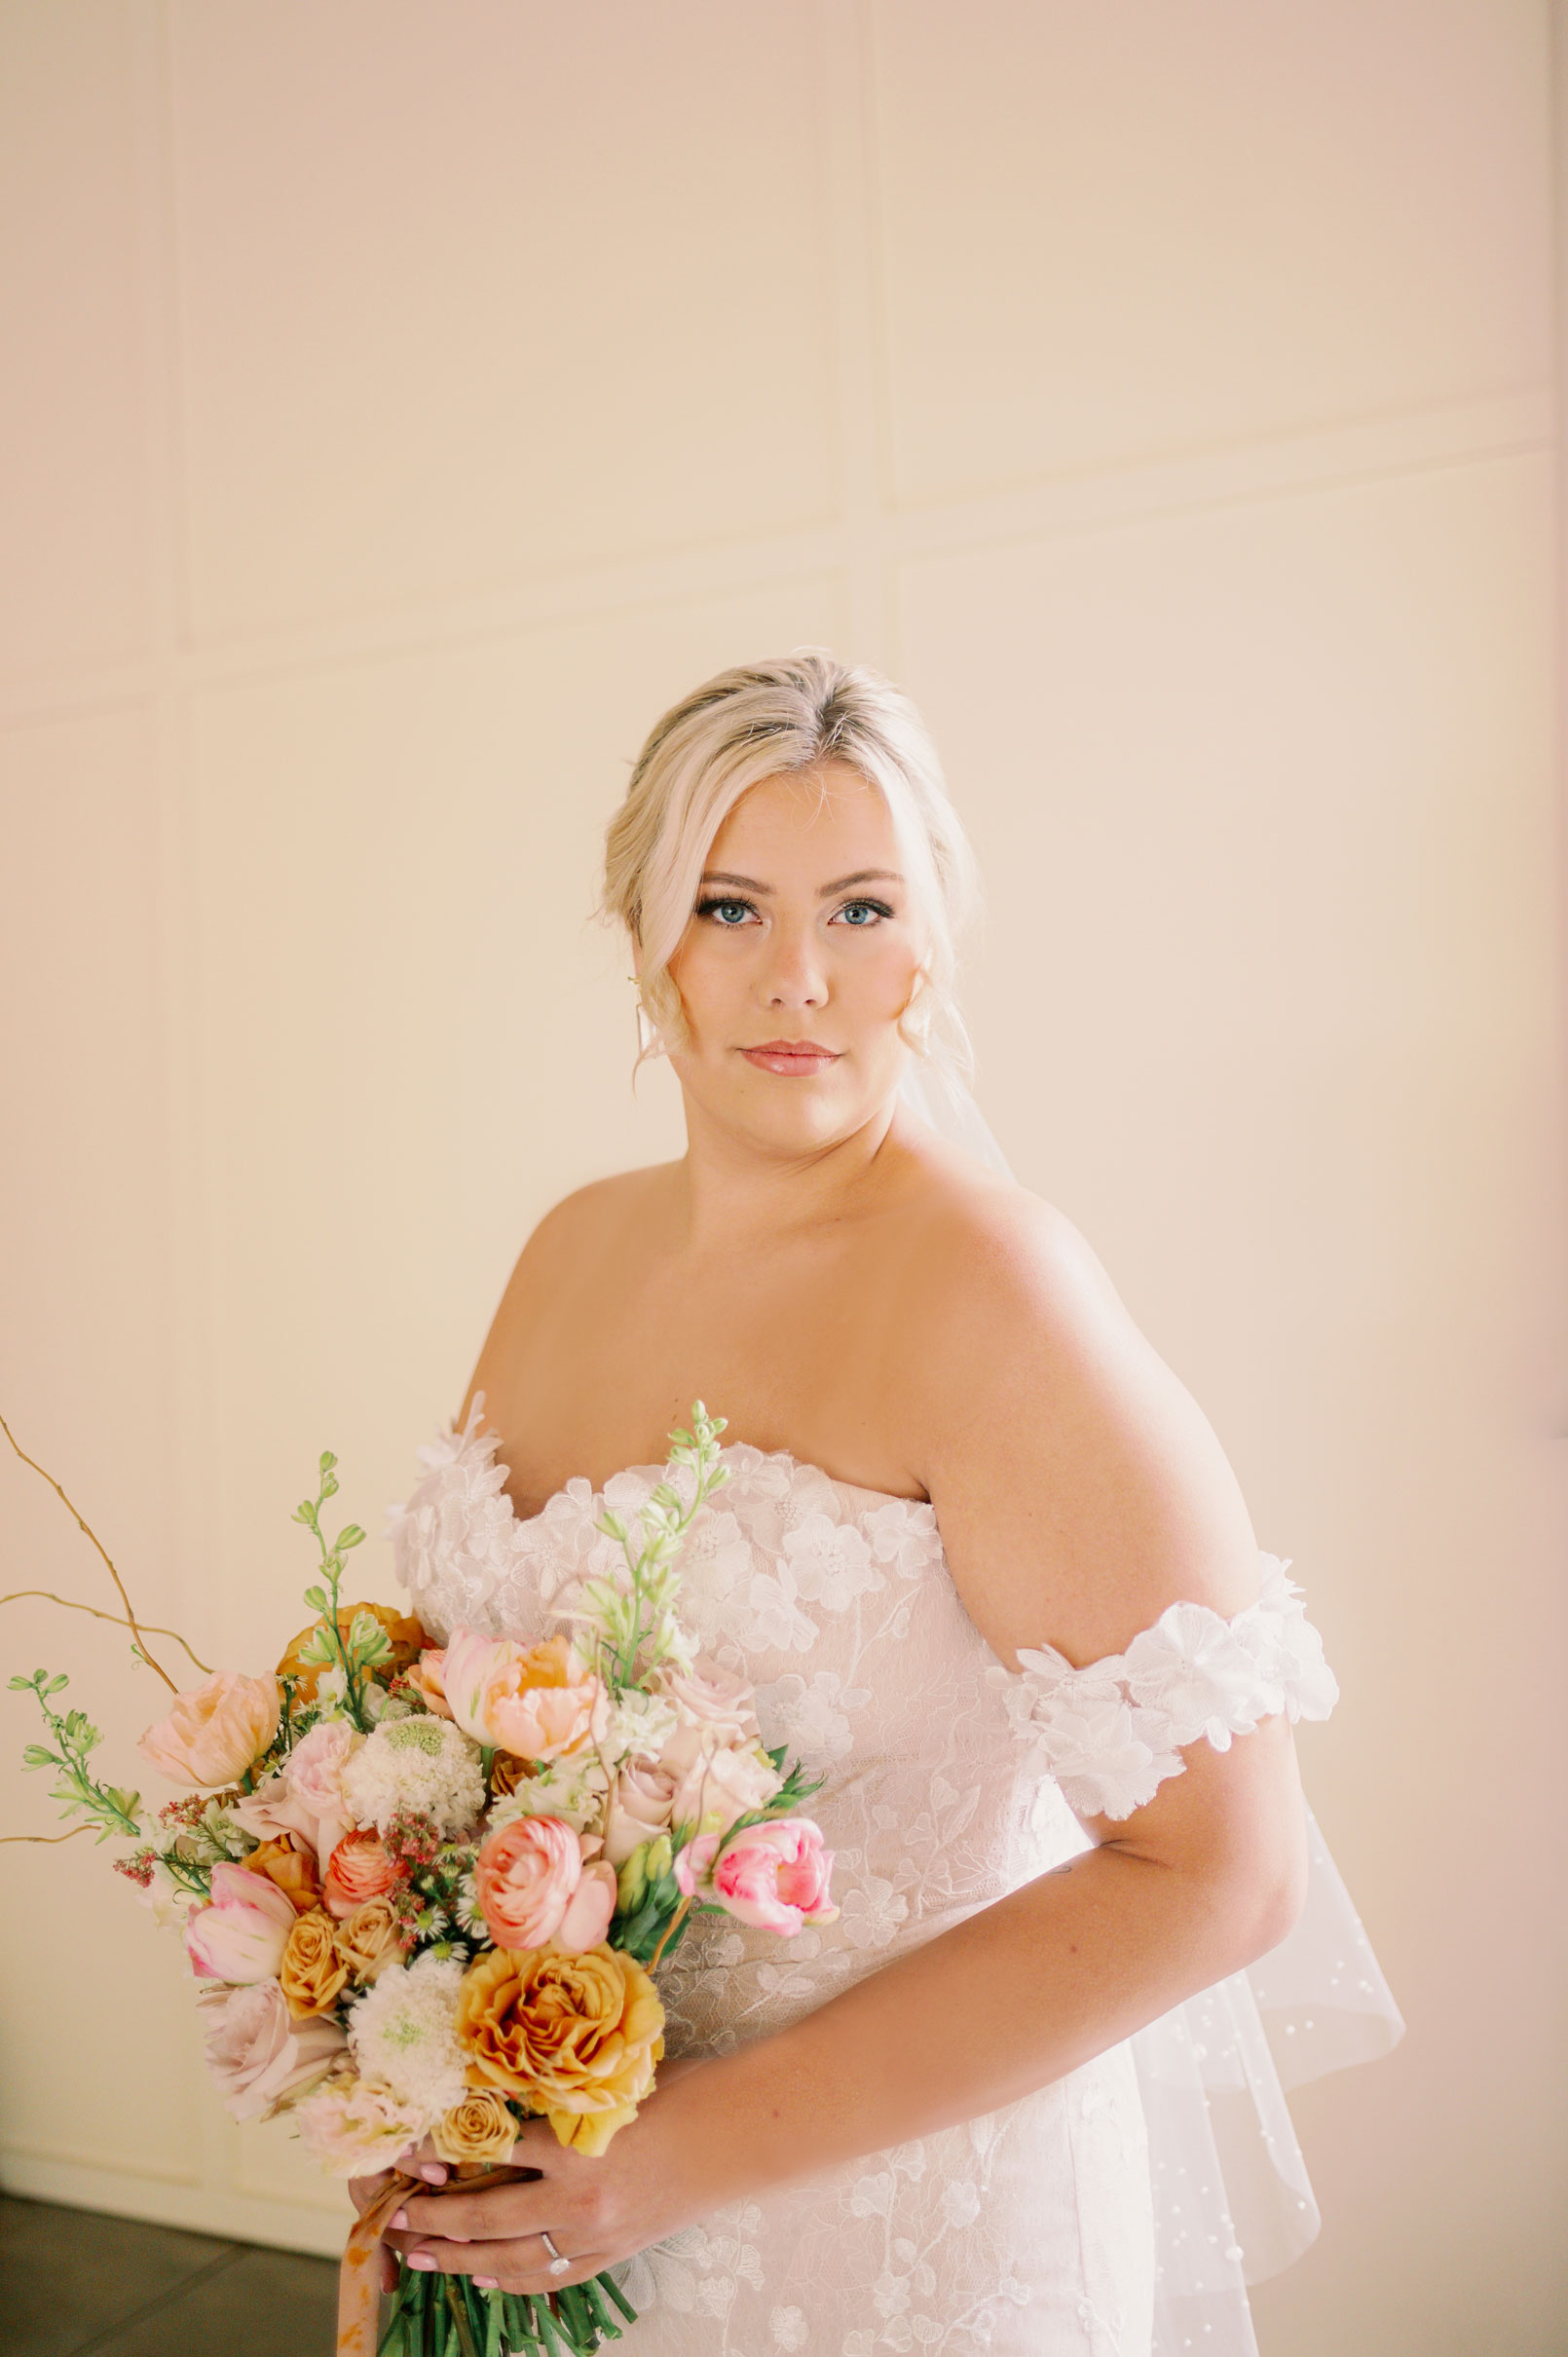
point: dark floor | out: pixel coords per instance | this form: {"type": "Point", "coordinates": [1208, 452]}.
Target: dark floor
{"type": "Point", "coordinates": [75, 2280]}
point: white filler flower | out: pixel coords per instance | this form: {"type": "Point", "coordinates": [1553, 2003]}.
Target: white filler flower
{"type": "Point", "coordinates": [425, 1764]}
{"type": "Point", "coordinates": [404, 2032]}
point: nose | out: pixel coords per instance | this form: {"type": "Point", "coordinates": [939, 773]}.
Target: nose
{"type": "Point", "coordinates": [793, 976]}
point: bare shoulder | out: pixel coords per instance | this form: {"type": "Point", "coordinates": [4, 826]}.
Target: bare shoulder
{"type": "Point", "coordinates": [1078, 1485]}
{"type": "Point", "coordinates": [574, 1237]}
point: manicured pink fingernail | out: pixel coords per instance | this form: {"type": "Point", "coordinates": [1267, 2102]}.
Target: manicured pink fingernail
{"type": "Point", "coordinates": [432, 2172]}
{"type": "Point", "coordinates": [422, 2261]}
{"type": "Point", "coordinates": [485, 2283]}
{"type": "Point", "coordinates": [399, 2223]}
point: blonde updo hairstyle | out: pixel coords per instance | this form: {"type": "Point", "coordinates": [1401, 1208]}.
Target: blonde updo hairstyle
{"type": "Point", "coordinates": [764, 720]}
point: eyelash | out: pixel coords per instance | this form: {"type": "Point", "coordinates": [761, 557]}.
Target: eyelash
{"type": "Point", "coordinates": [736, 900]}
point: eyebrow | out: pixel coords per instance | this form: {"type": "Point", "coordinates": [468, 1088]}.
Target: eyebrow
{"type": "Point", "coordinates": [718, 876]}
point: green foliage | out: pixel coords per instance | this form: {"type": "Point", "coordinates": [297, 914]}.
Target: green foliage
{"type": "Point", "coordinates": [367, 1646]}
{"type": "Point", "coordinates": [635, 1614]}
{"type": "Point", "coordinates": [75, 1738]}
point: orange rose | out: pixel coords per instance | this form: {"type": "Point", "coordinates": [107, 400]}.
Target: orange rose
{"type": "Point", "coordinates": [359, 1868]}
{"type": "Point", "coordinates": [312, 1973]}
{"type": "Point", "coordinates": [574, 2036]}
{"type": "Point", "coordinates": [290, 1863]}
{"type": "Point", "coordinates": [406, 1635]}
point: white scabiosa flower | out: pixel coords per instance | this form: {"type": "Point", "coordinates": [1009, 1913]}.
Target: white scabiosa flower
{"type": "Point", "coordinates": [424, 1765]}
{"type": "Point", "coordinates": [403, 2032]}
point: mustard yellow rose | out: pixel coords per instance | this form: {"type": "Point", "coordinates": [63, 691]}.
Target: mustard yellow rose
{"type": "Point", "coordinates": [313, 1973]}
{"type": "Point", "coordinates": [480, 2129]}
{"type": "Point", "coordinates": [370, 1940]}
{"type": "Point", "coordinates": [574, 2036]}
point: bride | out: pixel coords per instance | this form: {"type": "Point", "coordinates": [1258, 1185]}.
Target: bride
{"type": "Point", "coordinates": [994, 1580]}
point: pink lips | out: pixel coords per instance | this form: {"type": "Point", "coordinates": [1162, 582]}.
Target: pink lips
{"type": "Point", "coordinates": [791, 1056]}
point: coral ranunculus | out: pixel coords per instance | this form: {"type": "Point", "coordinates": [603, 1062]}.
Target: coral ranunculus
{"type": "Point", "coordinates": [359, 1868]}
{"type": "Point", "coordinates": [524, 1875]}
{"type": "Point", "coordinates": [541, 1702]}
{"type": "Point", "coordinates": [241, 1936]}
{"type": "Point", "coordinates": [574, 2036]}
{"type": "Point", "coordinates": [214, 1733]}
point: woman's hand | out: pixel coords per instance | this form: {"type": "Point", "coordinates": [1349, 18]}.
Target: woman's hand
{"type": "Point", "coordinates": [363, 2190]}
{"type": "Point", "coordinates": [649, 2182]}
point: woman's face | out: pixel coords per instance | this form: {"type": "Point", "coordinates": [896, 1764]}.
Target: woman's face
{"type": "Point", "coordinates": [796, 963]}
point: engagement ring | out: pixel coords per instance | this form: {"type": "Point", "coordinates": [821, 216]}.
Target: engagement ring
{"type": "Point", "coordinates": [558, 2263]}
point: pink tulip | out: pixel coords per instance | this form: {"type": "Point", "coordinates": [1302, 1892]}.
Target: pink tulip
{"type": "Point", "coordinates": [243, 1934]}
{"type": "Point", "coordinates": [773, 1876]}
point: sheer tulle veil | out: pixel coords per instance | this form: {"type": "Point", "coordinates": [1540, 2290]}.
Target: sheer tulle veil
{"type": "Point", "coordinates": [1232, 2201]}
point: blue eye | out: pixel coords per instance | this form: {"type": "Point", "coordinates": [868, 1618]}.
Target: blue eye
{"type": "Point", "coordinates": [723, 911]}
{"type": "Point", "coordinates": [857, 912]}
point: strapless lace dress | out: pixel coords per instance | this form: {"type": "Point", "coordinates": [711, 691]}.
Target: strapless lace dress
{"type": "Point", "coordinates": [1117, 2212]}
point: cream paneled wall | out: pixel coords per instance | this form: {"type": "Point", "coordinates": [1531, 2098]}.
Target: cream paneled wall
{"type": "Point", "coordinates": [405, 404]}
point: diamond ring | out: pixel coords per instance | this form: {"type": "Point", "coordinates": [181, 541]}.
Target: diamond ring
{"type": "Point", "coordinates": [558, 2261]}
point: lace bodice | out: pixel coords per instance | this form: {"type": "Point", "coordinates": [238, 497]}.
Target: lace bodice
{"type": "Point", "coordinates": [949, 1780]}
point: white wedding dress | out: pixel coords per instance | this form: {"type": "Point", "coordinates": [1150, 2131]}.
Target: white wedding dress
{"type": "Point", "coordinates": [1121, 2210]}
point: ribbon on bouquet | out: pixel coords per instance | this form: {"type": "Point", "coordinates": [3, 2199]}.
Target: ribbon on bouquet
{"type": "Point", "coordinates": [360, 2273]}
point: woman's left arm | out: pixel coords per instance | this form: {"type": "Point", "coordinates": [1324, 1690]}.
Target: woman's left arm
{"type": "Point", "coordinates": [1079, 1491]}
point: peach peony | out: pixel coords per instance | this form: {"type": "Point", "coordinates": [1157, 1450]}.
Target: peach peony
{"type": "Point", "coordinates": [574, 2036]}
{"type": "Point", "coordinates": [539, 1702]}
{"type": "Point", "coordinates": [241, 1936]}
{"type": "Point", "coordinates": [359, 1868]}
{"type": "Point", "coordinates": [214, 1733]}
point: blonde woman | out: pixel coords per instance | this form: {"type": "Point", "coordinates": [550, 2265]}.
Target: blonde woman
{"type": "Point", "coordinates": [994, 1580]}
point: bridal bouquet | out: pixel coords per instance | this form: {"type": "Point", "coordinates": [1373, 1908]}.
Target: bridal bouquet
{"type": "Point", "coordinates": [423, 1891]}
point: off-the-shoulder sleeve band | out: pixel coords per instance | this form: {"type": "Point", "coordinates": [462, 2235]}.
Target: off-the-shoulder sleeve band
{"type": "Point", "coordinates": [1112, 1732]}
